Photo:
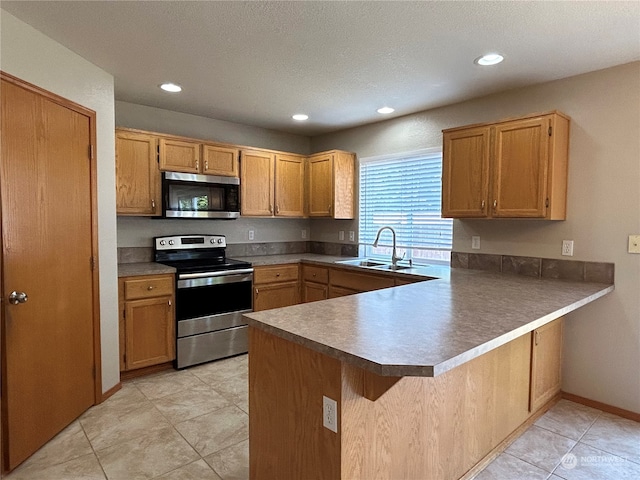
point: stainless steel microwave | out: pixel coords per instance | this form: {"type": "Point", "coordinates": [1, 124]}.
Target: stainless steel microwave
{"type": "Point", "coordinates": [186, 195]}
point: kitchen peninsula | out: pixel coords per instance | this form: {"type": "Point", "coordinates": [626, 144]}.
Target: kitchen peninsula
{"type": "Point", "coordinates": [428, 378]}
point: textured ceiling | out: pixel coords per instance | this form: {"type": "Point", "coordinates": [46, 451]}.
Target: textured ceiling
{"type": "Point", "coordinates": [257, 63]}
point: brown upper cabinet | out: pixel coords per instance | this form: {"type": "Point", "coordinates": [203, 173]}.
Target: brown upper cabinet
{"type": "Point", "coordinates": [511, 169]}
{"type": "Point", "coordinates": [271, 184]}
{"type": "Point", "coordinates": [183, 155]}
{"type": "Point", "coordinates": [331, 177]}
{"type": "Point", "coordinates": [137, 174]}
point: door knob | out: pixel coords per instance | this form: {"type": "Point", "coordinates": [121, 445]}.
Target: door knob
{"type": "Point", "coordinates": [17, 297]}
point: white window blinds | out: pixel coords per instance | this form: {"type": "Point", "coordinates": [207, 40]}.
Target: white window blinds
{"type": "Point", "coordinates": [404, 192]}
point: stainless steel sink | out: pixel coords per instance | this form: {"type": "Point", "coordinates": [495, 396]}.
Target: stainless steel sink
{"type": "Point", "coordinates": [362, 263]}
{"type": "Point", "coordinates": [393, 267]}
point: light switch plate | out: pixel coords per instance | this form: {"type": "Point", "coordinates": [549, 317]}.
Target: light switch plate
{"type": "Point", "coordinates": [251, 234]}
{"type": "Point", "coordinates": [352, 236]}
{"type": "Point", "coordinates": [634, 243]}
{"type": "Point", "coordinates": [475, 242]}
{"type": "Point", "coordinates": [341, 235]}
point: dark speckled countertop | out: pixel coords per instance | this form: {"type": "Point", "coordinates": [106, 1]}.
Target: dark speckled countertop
{"type": "Point", "coordinates": [428, 328]}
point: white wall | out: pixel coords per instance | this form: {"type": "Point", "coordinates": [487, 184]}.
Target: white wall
{"type": "Point", "coordinates": [138, 232]}
{"type": "Point", "coordinates": [602, 340]}
{"type": "Point", "coordinates": [35, 58]}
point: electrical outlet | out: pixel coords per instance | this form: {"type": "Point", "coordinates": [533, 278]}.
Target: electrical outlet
{"type": "Point", "coordinates": [475, 242]}
{"type": "Point", "coordinates": [567, 248]}
{"type": "Point", "coordinates": [634, 243]}
{"type": "Point", "coordinates": [329, 414]}
{"type": "Point", "coordinates": [341, 235]}
{"type": "Point", "coordinates": [352, 236]}
{"type": "Point", "coordinates": [251, 234]}
{"type": "Point", "coordinates": [304, 233]}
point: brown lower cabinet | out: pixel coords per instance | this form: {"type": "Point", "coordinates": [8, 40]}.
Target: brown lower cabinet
{"type": "Point", "coordinates": [147, 321]}
{"type": "Point", "coordinates": [546, 363]}
{"type": "Point", "coordinates": [275, 286]}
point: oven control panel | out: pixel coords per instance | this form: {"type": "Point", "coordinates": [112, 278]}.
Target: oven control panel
{"type": "Point", "coordinates": [190, 242]}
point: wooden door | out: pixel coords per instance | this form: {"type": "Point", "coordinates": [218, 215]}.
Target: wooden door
{"type": "Point", "coordinates": [179, 156]}
{"type": "Point", "coordinates": [520, 163]}
{"type": "Point", "coordinates": [546, 363]}
{"type": "Point", "coordinates": [51, 342]}
{"type": "Point", "coordinates": [312, 292]}
{"type": "Point", "coordinates": [150, 332]}
{"type": "Point", "coordinates": [289, 186]}
{"type": "Point", "coordinates": [137, 174]}
{"type": "Point", "coordinates": [321, 185]}
{"type": "Point", "coordinates": [256, 183]}
{"type": "Point", "coordinates": [220, 161]}
{"type": "Point", "coordinates": [465, 173]}
{"type": "Point", "coordinates": [266, 297]}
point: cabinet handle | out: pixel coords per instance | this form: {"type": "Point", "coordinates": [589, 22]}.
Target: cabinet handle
{"type": "Point", "coordinates": [536, 338]}
{"type": "Point", "coordinates": [277, 274]}
{"type": "Point", "coordinates": [153, 205]}
{"type": "Point", "coordinates": [257, 291]}
{"type": "Point", "coordinates": [329, 208]}
{"type": "Point", "coordinates": [150, 287]}
{"type": "Point", "coordinates": [206, 164]}
{"type": "Point", "coordinates": [277, 209]}
{"type": "Point", "coordinates": [197, 164]}
{"type": "Point", "coordinates": [270, 208]}
{"type": "Point", "coordinates": [169, 303]}
{"type": "Point", "coordinates": [495, 204]}
{"type": "Point", "coordinates": [482, 205]}
{"type": "Point", "coordinates": [314, 275]}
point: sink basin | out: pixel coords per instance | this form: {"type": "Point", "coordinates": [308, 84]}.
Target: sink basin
{"type": "Point", "coordinates": [362, 263]}
{"type": "Point", "coordinates": [393, 267]}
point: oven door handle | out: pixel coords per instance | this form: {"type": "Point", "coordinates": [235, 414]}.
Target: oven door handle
{"type": "Point", "coordinates": [223, 273]}
{"type": "Point", "coordinates": [191, 280]}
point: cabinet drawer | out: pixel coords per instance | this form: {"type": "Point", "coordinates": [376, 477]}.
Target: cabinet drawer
{"type": "Point", "coordinates": [147, 287]}
{"type": "Point", "coordinates": [359, 281]}
{"type": "Point", "coordinates": [315, 274]}
{"type": "Point", "coordinates": [275, 273]}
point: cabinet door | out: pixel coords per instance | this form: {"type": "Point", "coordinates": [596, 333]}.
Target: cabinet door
{"type": "Point", "coordinates": [150, 332]}
{"type": "Point", "coordinates": [465, 173]}
{"type": "Point", "coordinates": [275, 295]}
{"type": "Point", "coordinates": [335, 292]}
{"type": "Point", "coordinates": [321, 185]}
{"type": "Point", "coordinates": [520, 163]}
{"type": "Point", "coordinates": [546, 363]}
{"type": "Point", "coordinates": [179, 156]}
{"type": "Point", "coordinates": [256, 183]}
{"type": "Point", "coordinates": [312, 292]}
{"type": "Point", "coordinates": [220, 161]}
{"type": "Point", "coordinates": [137, 175]}
{"type": "Point", "coordinates": [289, 186]}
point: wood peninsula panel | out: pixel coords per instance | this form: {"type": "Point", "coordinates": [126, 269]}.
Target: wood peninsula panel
{"type": "Point", "coordinates": [361, 282]}
{"type": "Point", "coordinates": [418, 427]}
{"type": "Point", "coordinates": [286, 385]}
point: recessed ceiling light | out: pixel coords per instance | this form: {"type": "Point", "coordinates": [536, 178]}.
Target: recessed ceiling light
{"type": "Point", "coordinates": [171, 87]}
{"type": "Point", "coordinates": [386, 110]}
{"type": "Point", "coordinates": [300, 117]}
{"type": "Point", "coordinates": [489, 59]}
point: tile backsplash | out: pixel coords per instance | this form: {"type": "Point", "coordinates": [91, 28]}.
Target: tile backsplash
{"type": "Point", "coordinates": [580, 271]}
{"type": "Point", "coordinates": [145, 254]}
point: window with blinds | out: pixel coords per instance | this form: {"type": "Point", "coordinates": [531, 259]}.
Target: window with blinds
{"type": "Point", "coordinates": [404, 193]}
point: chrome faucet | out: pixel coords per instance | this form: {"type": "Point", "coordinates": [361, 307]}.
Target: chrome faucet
{"type": "Point", "coordinates": [394, 257]}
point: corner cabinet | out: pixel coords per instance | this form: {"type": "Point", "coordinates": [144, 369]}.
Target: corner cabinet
{"type": "Point", "coordinates": [147, 321]}
{"type": "Point", "coordinates": [511, 169]}
{"type": "Point", "coordinates": [138, 189]}
{"type": "Point", "coordinates": [331, 184]}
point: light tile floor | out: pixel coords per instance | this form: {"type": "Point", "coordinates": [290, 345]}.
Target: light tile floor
{"type": "Point", "coordinates": [193, 425]}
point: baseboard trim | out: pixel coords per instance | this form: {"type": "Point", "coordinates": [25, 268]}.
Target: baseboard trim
{"type": "Point", "coordinates": [621, 412]}
{"type": "Point", "coordinates": [502, 446]}
{"type": "Point", "coordinates": [110, 392]}
{"type": "Point", "coordinates": [141, 372]}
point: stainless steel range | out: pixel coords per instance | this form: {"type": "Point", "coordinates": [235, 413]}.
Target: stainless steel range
{"type": "Point", "coordinates": [212, 293]}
